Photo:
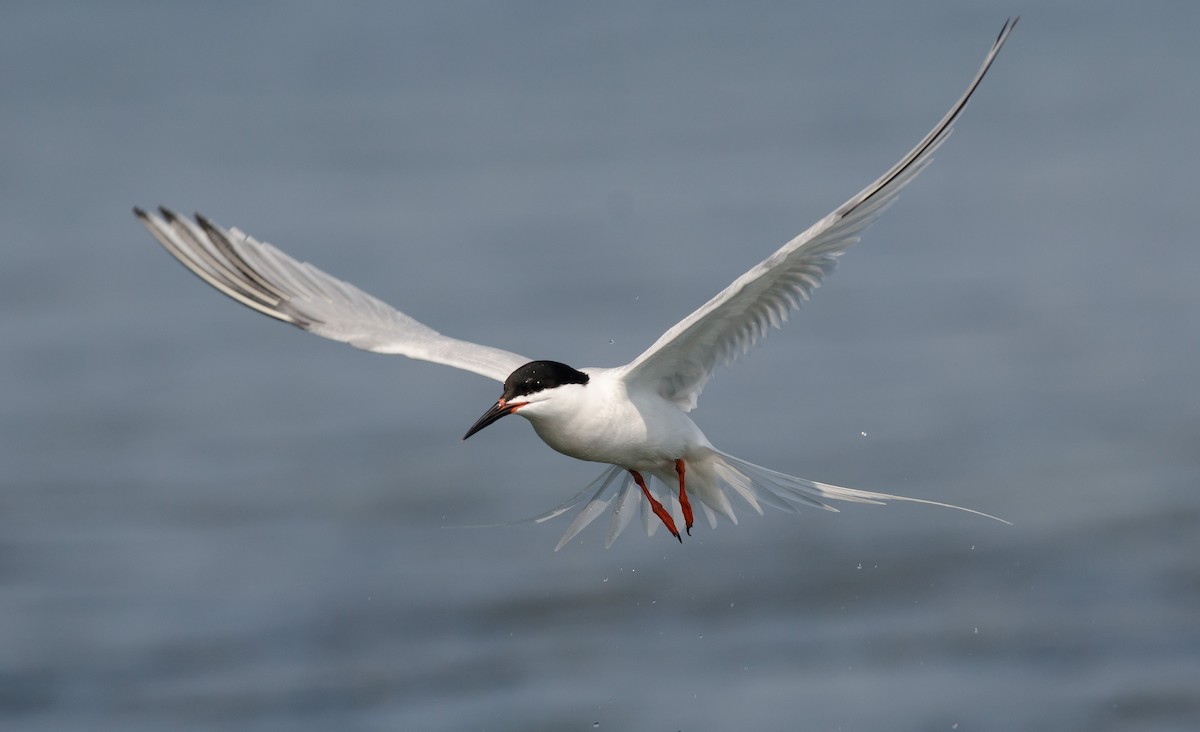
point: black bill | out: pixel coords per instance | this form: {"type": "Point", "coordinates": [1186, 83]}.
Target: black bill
{"type": "Point", "coordinates": [498, 410]}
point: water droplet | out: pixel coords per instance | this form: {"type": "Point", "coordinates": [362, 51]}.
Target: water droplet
{"type": "Point", "coordinates": [859, 565]}
{"type": "Point", "coordinates": [864, 434]}
{"type": "Point", "coordinates": [595, 725]}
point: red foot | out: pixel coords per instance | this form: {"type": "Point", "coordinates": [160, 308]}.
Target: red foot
{"type": "Point", "coordinates": [683, 499]}
{"type": "Point", "coordinates": [657, 507]}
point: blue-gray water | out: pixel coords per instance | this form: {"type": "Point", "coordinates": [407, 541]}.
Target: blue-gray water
{"type": "Point", "coordinates": [209, 520]}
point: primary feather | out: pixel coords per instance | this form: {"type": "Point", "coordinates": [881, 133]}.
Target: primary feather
{"type": "Point", "coordinates": [261, 277]}
{"type": "Point", "coordinates": [681, 362]}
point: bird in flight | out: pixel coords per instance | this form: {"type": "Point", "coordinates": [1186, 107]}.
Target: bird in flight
{"type": "Point", "coordinates": [634, 417]}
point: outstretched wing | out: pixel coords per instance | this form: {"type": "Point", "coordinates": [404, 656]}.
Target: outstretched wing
{"type": "Point", "coordinates": [680, 363]}
{"type": "Point", "coordinates": [261, 277]}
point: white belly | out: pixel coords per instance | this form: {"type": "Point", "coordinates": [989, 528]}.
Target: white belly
{"type": "Point", "coordinates": [607, 425]}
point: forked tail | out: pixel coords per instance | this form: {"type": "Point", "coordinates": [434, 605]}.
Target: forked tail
{"type": "Point", "coordinates": [790, 493]}
{"type": "Point", "coordinates": [711, 480]}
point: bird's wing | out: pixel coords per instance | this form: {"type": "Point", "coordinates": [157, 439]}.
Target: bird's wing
{"type": "Point", "coordinates": [261, 277]}
{"type": "Point", "coordinates": [679, 364]}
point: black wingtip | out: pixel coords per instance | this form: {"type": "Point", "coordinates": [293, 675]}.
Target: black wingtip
{"type": "Point", "coordinates": [139, 213]}
{"type": "Point", "coordinates": [168, 214]}
{"type": "Point", "coordinates": [1008, 26]}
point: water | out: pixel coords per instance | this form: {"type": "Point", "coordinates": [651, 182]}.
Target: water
{"type": "Point", "coordinates": [209, 520]}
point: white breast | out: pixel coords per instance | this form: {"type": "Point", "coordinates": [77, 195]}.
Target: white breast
{"type": "Point", "coordinates": [603, 422]}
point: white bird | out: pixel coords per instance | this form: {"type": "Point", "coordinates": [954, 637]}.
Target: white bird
{"type": "Point", "coordinates": [632, 417]}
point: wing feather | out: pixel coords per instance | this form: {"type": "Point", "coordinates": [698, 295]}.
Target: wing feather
{"type": "Point", "coordinates": [265, 279]}
{"type": "Point", "coordinates": [680, 362]}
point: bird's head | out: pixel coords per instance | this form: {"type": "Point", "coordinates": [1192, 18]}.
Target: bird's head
{"type": "Point", "coordinates": [535, 383]}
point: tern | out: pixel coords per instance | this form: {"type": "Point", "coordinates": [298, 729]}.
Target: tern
{"type": "Point", "coordinates": [634, 417]}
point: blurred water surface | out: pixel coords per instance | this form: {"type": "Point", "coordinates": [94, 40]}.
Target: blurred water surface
{"type": "Point", "coordinates": [209, 520]}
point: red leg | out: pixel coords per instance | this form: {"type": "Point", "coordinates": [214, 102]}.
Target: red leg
{"type": "Point", "coordinates": [683, 499]}
{"type": "Point", "coordinates": [657, 507]}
